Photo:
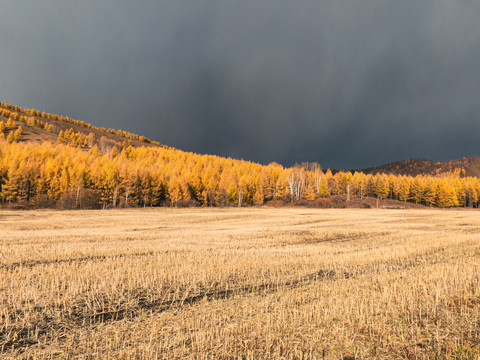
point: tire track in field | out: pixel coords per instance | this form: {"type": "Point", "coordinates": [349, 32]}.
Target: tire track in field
{"type": "Point", "coordinates": [80, 259]}
{"type": "Point", "coordinates": [15, 338]}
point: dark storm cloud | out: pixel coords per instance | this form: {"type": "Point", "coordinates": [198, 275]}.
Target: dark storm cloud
{"type": "Point", "coordinates": [344, 83]}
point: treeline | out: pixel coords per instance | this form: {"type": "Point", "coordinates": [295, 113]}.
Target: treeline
{"type": "Point", "coordinates": [62, 175]}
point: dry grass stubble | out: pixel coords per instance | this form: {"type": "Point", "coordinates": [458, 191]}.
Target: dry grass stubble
{"type": "Point", "coordinates": [249, 283]}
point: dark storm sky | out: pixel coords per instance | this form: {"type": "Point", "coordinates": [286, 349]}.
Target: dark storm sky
{"type": "Point", "coordinates": [347, 83]}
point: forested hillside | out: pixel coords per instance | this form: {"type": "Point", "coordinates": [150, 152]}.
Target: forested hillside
{"type": "Point", "coordinates": [53, 161]}
{"type": "Point", "coordinates": [39, 126]}
{"type": "Point", "coordinates": [468, 166]}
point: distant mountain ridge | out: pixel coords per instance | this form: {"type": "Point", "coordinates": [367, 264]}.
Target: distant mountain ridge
{"type": "Point", "coordinates": [467, 166]}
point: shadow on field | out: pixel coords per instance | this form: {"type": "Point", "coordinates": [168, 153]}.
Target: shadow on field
{"type": "Point", "coordinates": [47, 329]}
{"type": "Point", "coordinates": [81, 259]}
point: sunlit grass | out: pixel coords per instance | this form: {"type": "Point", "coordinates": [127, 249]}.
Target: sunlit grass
{"type": "Point", "coordinates": [248, 283]}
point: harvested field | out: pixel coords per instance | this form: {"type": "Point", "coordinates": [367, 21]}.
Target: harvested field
{"type": "Point", "coordinates": [240, 283]}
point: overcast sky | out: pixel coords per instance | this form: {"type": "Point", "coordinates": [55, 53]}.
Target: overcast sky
{"type": "Point", "coordinates": [349, 84]}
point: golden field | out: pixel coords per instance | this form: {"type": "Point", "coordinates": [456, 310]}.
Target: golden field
{"type": "Point", "coordinates": [253, 283]}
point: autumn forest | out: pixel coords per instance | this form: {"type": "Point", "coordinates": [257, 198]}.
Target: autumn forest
{"type": "Point", "coordinates": [48, 160]}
